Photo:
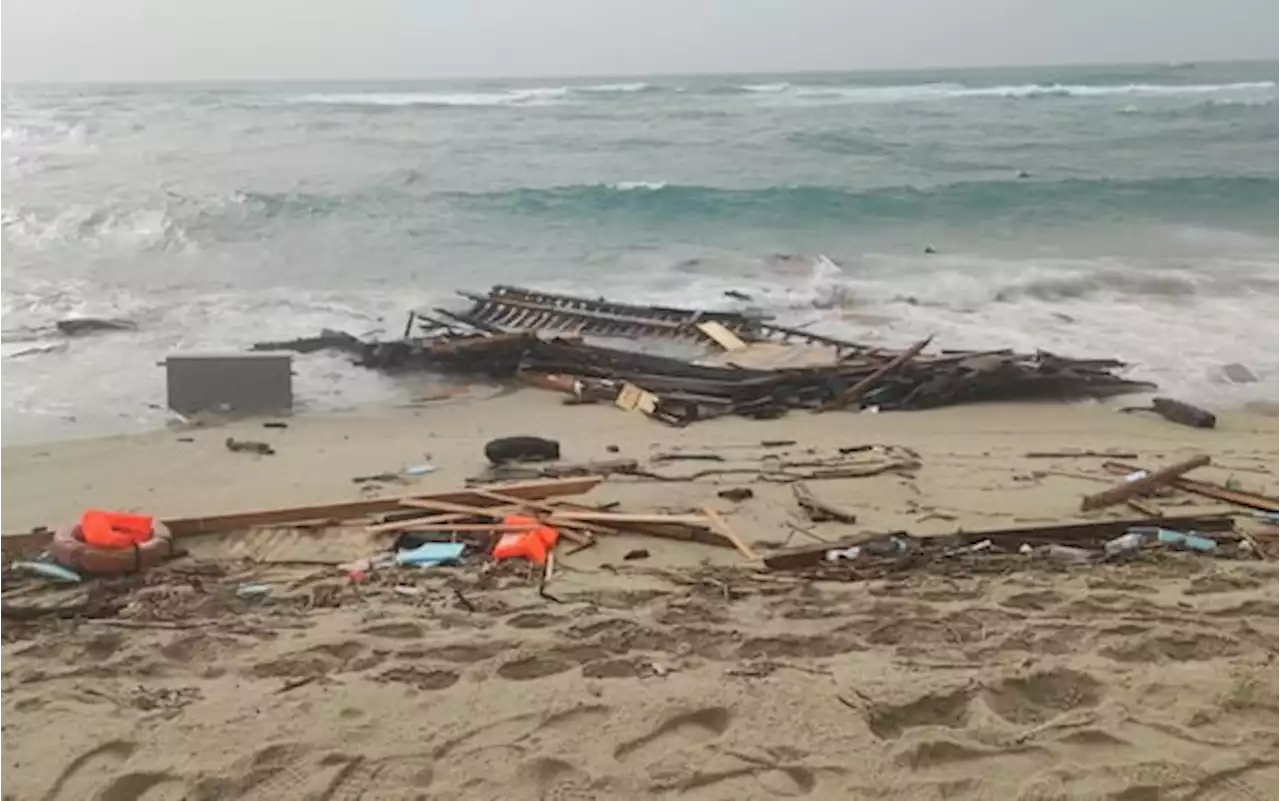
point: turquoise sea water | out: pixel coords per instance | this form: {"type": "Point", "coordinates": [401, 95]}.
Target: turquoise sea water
{"type": "Point", "coordinates": [1127, 210]}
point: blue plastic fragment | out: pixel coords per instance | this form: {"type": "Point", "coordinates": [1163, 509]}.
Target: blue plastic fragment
{"type": "Point", "coordinates": [1191, 541]}
{"type": "Point", "coordinates": [49, 570]}
{"type": "Point", "coordinates": [430, 554]}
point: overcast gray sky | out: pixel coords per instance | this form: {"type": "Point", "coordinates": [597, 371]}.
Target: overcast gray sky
{"type": "Point", "coordinates": [126, 40]}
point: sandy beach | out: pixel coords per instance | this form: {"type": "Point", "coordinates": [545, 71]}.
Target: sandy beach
{"type": "Point", "coordinates": [690, 674]}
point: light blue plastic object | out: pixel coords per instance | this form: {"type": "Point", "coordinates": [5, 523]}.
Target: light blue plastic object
{"type": "Point", "coordinates": [1131, 541]}
{"type": "Point", "coordinates": [253, 592]}
{"type": "Point", "coordinates": [420, 469]}
{"type": "Point", "coordinates": [1191, 541]}
{"type": "Point", "coordinates": [48, 570]}
{"type": "Point", "coordinates": [430, 554]}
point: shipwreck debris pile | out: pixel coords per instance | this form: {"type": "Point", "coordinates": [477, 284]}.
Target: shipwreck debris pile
{"type": "Point", "coordinates": [540, 338]}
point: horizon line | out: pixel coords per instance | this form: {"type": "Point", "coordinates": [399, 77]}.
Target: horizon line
{"type": "Point", "coordinates": [629, 75]}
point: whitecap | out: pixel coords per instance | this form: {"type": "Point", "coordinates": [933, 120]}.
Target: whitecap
{"type": "Point", "coordinates": [629, 186]}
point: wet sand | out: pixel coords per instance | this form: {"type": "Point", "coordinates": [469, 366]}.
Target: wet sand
{"type": "Point", "coordinates": [685, 675]}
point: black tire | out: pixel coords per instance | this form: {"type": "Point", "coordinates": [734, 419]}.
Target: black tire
{"type": "Point", "coordinates": [521, 449]}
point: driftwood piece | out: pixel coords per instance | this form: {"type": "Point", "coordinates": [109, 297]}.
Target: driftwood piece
{"type": "Point", "coordinates": [1145, 507]}
{"type": "Point", "coordinates": [409, 522]}
{"type": "Point", "coordinates": [535, 489]}
{"type": "Point", "coordinates": [628, 517]}
{"type": "Point", "coordinates": [1176, 411]}
{"type": "Point", "coordinates": [854, 393]}
{"type": "Point", "coordinates": [786, 475]}
{"type": "Point", "coordinates": [1079, 455]}
{"type": "Point", "coordinates": [1138, 486]}
{"type": "Point", "coordinates": [494, 513]}
{"type": "Point", "coordinates": [820, 511]}
{"type": "Point", "coordinates": [719, 524]}
{"type": "Point", "coordinates": [1205, 489]}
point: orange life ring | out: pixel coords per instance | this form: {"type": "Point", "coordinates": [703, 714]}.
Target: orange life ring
{"type": "Point", "coordinates": [70, 550]}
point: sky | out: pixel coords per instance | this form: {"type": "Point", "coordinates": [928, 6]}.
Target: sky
{"type": "Point", "coordinates": [180, 40]}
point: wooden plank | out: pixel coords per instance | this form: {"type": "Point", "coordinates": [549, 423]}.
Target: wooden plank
{"type": "Point", "coordinates": [1145, 507]}
{"type": "Point", "coordinates": [682, 532]}
{"type": "Point", "coordinates": [1139, 486]}
{"type": "Point", "coordinates": [632, 398]}
{"type": "Point", "coordinates": [855, 392]}
{"type": "Point", "coordinates": [721, 336]}
{"type": "Point", "coordinates": [540, 488]}
{"type": "Point", "coordinates": [819, 510]}
{"type": "Point", "coordinates": [1204, 489]}
{"type": "Point", "coordinates": [720, 525]}
{"type": "Point", "coordinates": [496, 513]}
{"type": "Point", "coordinates": [627, 517]}
{"type": "Point", "coordinates": [409, 522]}
{"type": "Point", "coordinates": [495, 528]}
{"type": "Point", "coordinates": [570, 529]}
{"type": "Point", "coordinates": [466, 510]}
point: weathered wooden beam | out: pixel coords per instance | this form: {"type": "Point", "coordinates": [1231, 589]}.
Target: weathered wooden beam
{"type": "Point", "coordinates": [722, 527]}
{"type": "Point", "coordinates": [1140, 486]}
{"type": "Point", "coordinates": [855, 392]}
{"type": "Point", "coordinates": [537, 489]}
{"type": "Point", "coordinates": [819, 510]}
{"type": "Point", "coordinates": [1205, 489]}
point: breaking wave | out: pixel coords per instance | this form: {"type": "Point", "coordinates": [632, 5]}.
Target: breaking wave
{"type": "Point", "coordinates": [1042, 202]}
{"type": "Point", "coordinates": [132, 231]}
{"type": "Point", "coordinates": [950, 91]}
{"type": "Point", "coordinates": [1247, 92]}
{"type": "Point", "coordinates": [516, 96]}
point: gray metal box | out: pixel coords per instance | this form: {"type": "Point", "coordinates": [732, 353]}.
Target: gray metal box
{"type": "Point", "coordinates": [235, 383]}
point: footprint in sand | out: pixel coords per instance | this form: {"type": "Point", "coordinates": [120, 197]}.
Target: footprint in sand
{"type": "Point", "coordinates": [533, 667]}
{"type": "Point", "coordinates": [419, 677]}
{"type": "Point", "coordinates": [679, 731]}
{"type": "Point", "coordinates": [340, 657]}
{"type": "Point", "coordinates": [1042, 696]}
{"type": "Point", "coordinates": [534, 620]}
{"type": "Point", "coordinates": [400, 776]}
{"type": "Point", "coordinates": [552, 779]}
{"type": "Point", "coordinates": [69, 783]}
{"type": "Point", "coordinates": [945, 709]}
{"type": "Point", "coordinates": [145, 786]}
{"type": "Point", "coordinates": [522, 727]}
{"type": "Point", "coordinates": [265, 773]}
{"type": "Point", "coordinates": [466, 653]}
{"type": "Point", "coordinates": [399, 630]}
{"type": "Point", "coordinates": [945, 754]}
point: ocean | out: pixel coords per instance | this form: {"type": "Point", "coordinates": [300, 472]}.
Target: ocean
{"type": "Point", "coordinates": [1123, 211]}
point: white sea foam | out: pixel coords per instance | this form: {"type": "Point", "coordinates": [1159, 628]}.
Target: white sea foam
{"type": "Point", "coordinates": [100, 230]}
{"type": "Point", "coordinates": [525, 96]}
{"type": "Point", "coordinates": [950, 91]}
{"type": "Point", "coordinates": [514, 97]}
{"type": "Point", "coordinates": [1073, 306]}
{"type": "Point", "coordinates": [621, 88]}
{"type": "Point", "coordinates": [631, 186]}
